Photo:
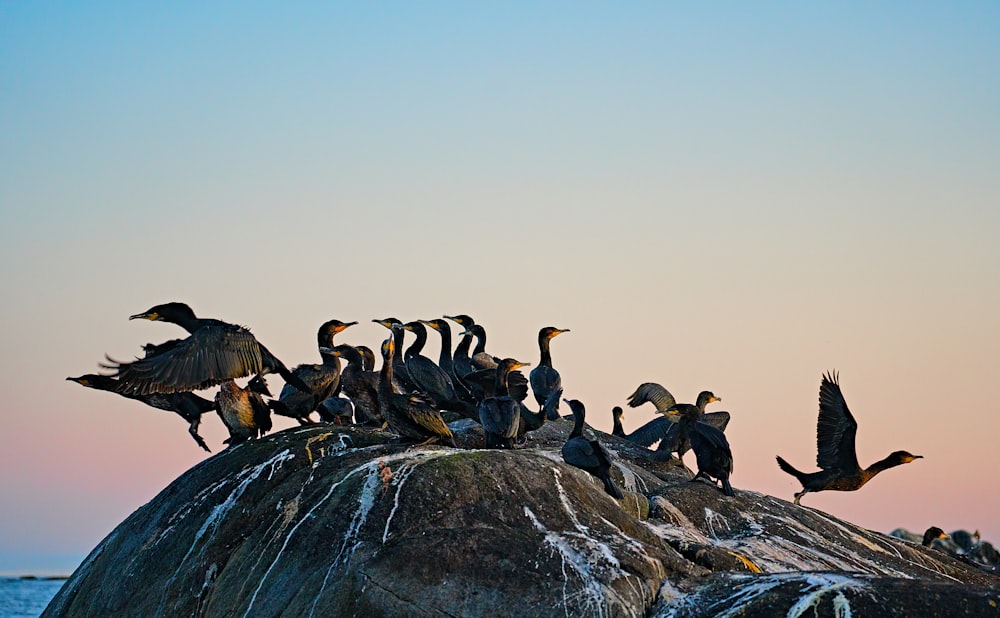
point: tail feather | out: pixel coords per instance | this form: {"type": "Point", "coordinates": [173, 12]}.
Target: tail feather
{"type": "Point", "coordinates": [611, 488]}
{"type": "Point", "coordinates": [787, 467]}
{"type": "Point", "coordinates": [727, 488]}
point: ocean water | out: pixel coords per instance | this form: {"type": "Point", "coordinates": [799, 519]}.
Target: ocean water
{"type": "Point", "coordinates": [26, 597]}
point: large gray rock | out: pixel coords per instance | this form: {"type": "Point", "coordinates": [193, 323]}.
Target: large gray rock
{"type": "Point", "coordinates": [334, 521]}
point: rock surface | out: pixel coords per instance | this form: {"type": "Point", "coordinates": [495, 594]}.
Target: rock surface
{"type": "Point", "coordinates": [340, 521]}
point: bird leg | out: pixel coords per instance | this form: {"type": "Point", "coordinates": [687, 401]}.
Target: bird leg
{"type": "Point", "coordinates": [799, 495]}
{"type": "Point", "coordinates": [193, 430]}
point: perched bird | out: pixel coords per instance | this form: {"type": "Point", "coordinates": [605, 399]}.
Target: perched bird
{"type": "Point", "coordinates": [360, 384]}
{"type": "Point", "coordinates": [531, 421]}
{"type": "Point", "coordinates": [400, 376]}
{"type": "Point", "coordinates": [337, 410]}
{"type": "Point", "coordinates": [647, 435]}
{"type": "Point", "coordinates": [187, 405]}
{"type": "Point", "coordinates": [500, 415]}
{"type": "Point", "coordinates": [214, 352]}
{"type": "Point", "coordinates": [836, 430]}
{"type": "Point", "coordinates": [480, 358]}
{"type": "Point", "coordinates": [933, 533]}
{"type": "Point", "coordinates": [710, 446]}
{"type": "Point", "coordinates": [544, 378]}
{"type": "Point", "coordinates": [446, 359]}
{"type": "Point", "coordinates": [675, 441]}
{"type": "Point", "coordinates": [431, 379]}
{"type": "Point", "coordinates": [412, 416]}
{"type": "Point", "coordinates": [586, 454]}
{"type": "Point", "coordinates": [461, 357]}
{"type": "Point", "coordinates": [323, 379]}
{"type": "Point", "coordinates": [243, 410]}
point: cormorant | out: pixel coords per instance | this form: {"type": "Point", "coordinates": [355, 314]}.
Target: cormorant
{"type": "Point", "coordinates": [710, 446]}
{"type": "Point", "coordinates": [461, 358]}
{"type": "Point", "coordinates": [530, 420]}
{"type": "Point", "coordinates": [187, 405]}
{"type": "Point", "coordinates": [214, 352]}
{"type": "Point", "coordinates": [653, 393]}
{"type": "Point", "coordinates": [322, 379]}
{"type": "Point", "coordinates": [675, 441]}
{"type": "Point", "coordinates": [431, 379]}
{"type": "Point", "coordinates": [544, 378]}
{"type": "Point", "coordinates": [337, 410]}
{"type": "Point", "coordinates": [400, 375]}
{"type": "Point", "coordinates": [933, 533]}
{"type": "Point", "coordinates": [586, 454]}
{"type": "Point", "coordinates": [412, 416]}
{"type": "Point", "coordinates": [480, 358]}
{"type": "Point", "coordinates": [446, 360]}
{"type": "Point", "coordinates": [243, 411]}
{"type": "Point", "coordinates": [360, 385]}
{"type": "Point", "coordinates": [836, 430]}
{"type": "Point", "coordinates": [500, 415]}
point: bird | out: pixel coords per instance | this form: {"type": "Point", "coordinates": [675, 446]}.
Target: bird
{"type": "Point", "coordinates": [481, 359]}
{"type": "Point", "coordinates": [544, 378]}
{"type": "Point", "coordinates": [243, 410]}
{"type": "Point", "coordinates": [461, 358]}
{"type": "Point", "coordinates": [410, 415]}
{"type": "Point", "coordinates": [187, 405]}
{"type": "Point", "coordinates": [647, 435]}
{"type": "Point", "coordinates": [531, 421]}
{"type": "Point", "coordinates": [446, 360]}
{"type": "Point", "coordinates": [675, 441]}
{"type": "Point", "coordinates": [323, 379]}
{"type": "Point", "coordinates": [360, 384]}
{"type": "Point", "coordinates": [653, 393]}
{"type": "Point", "coordinates": [711, 448]}
{"type": "Point", "coordinates": [214, 352]}
{"type": "Point", "coordinates": [400, 375]}
{"type": "Point", "coordinates": [500, 415]}
{"type": "Point", "coordinates": [429, 378]}
{"type": "Point", "coordinates": [588, 455]}
{"type": "Point", "coordinates": [836, 430]}
{"type": "Point", "coordinates": [932, 533]}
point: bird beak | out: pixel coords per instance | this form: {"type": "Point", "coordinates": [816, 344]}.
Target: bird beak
{"type": "Point", "coordinates": [345, 325]}
{"type": "Point", "coordinates": [145, 316]}
{"type": "Point", "coordinates": [714, 399]}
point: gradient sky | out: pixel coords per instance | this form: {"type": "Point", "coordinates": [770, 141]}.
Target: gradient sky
{"type": "Point", "coordinates": [732, 197]}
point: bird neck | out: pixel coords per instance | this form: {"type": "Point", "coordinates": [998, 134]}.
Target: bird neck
{"type": "Point", "coordinates": [397, 340]}
{"type": "Point", "coordinates": [543, 346]}
{"type": "Point", "coordinates": [618, 430]}
{"type": "Point", "coordinates": [385, 376]}
{"type": "Point", "coordinates": [577, 425]}
{"type": "Point", "coordinates": [480, 348]}
{"type": "Point", "coordinates": [462, 349]}
{"type": "Point", "coordinates": [500, 384]}
{"type": "Point", "coordinates": [417, 345]}
{"type": "Point", "coordinates": [444, 359]}
{"type": "Point", "coordinates": [190, 323]}
{"type": "Point", "coordinates": [882, 464]}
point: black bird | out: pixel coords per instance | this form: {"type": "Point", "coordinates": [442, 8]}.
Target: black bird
{"type": "Point", "coordinates": [360, 385]}
{"type": "Point", "coordinates": [653, 393]}
{"type": "Point", "coordinates": [500, 415]}
{"type": "Point", "coordinates": [480, 358]}
{"type": "Point", "coordinates": [932, 533]}
{"type": "Point", "coordinates": [214, 352]}
{"type": "Point", "coordinates": [337, 410]}
{"type": "Point", "coordinates": [243, 411]}
{"type": "Point", "coordinates": [431, 379]}
{"type": "Point", "coordinates": [187, 405]}
{"type": "Point", "coordinates": [544, 378]}
{"type": "Point", "coordinates": [400, 376]}
{"type": "Point", "coordinates": [323, 379]}
{"type": "Point", "coordinates": [461, 358]}
{"type": "Point", "coordinates": [646, 435]}
{"type": "Point", "coordinates": [446, 360]}
{"type": "Point", "coordinates": [412, 416]}
{"type": "Point", "coordinates": [676, 442]}
{"type": "Point", "coordinates": [836, 431]}
{"type": "Point", "coordinates": [710, 446]}
{"type": "Point", "coordinates": [586, 454]}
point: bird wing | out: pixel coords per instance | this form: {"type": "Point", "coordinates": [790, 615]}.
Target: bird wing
{"type": "Point", "coordinates": [423, 414]}
{"type": "Point", "coordinates": [719, 420]}
{"type": "Point", "coordinates": [652, 431]}
{"type": "Point", "coordinates": [210, 356]}
{"type": "Point", "coordinates": [261, 413]}
{"type": "Point", "coordinates": [544, 380]}
{"type": "Point", "coordinates": [580, 452]}
{"type": "Point", "coordinates": [836, 428]}
{"type": "Point", "coordinates": [653, 393]}
{"type": "Point", "coordinates": [517, 386]}
{"type": "Point", "coordinates": [500, 415]}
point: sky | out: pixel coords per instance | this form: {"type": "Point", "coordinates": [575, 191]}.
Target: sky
{"type": "Point", "coordinates": [730, 197]}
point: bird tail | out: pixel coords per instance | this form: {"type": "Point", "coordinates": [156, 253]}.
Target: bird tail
{"type": "Point", "coordinates": [787, 467]}
{"type": "Point", "coordinates": [551, 407]}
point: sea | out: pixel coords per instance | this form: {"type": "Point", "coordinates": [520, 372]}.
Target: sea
{"type": "Point", "coordinates": [27, 597]}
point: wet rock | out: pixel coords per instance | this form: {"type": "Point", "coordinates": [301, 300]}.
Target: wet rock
{"type": "Point", "coordinates": [343, 521]}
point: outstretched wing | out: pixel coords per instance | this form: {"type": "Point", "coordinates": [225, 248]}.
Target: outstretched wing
{"type": "Point", "coordinates": [719, 420]}
{"type": "Point", "coordinates": [836, 428]}
{"type": "Point", "coordinates": [652, 431]}
{"type": "Point", "coordinates": [210, 356]}
{"type": "Point", "coordinates": [653, 393]}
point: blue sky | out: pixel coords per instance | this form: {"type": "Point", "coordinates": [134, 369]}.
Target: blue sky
{"type": "Point", "coordinates": [732, 197]}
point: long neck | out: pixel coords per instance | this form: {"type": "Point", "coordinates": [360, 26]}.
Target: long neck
{"type": "Point", "coordinates": [397, 340]}
{"type": "Point", "coordinates": [500, 385]}
{"type": "Point", "coordinates": [385, 377]}
{"type": "Point", "coordinates": [882, 464]}
{"type": "Point", "coordinates": [462, 349]}
{"type": "Point", "coordinates": [190, 323]}
{"type": "Point", "coordinates": [444, 360]}
{"type": "Point", "coordinates": [577, 425]}
{"type": "Point", "coordinates": [418, 345]}
{"type": "Point", "coordinates": [480, 341]}
{"type": "Point", "coordinates": [543, 346]}
{"type": "Point", "coordinates": [618, 429]}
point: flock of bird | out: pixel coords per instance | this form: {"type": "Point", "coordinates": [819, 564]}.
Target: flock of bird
{"type": "Point", "coordinates": [414, 396]}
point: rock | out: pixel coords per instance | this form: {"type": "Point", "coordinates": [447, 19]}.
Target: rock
{"type": "Point", "coordinates": [326, 520]}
